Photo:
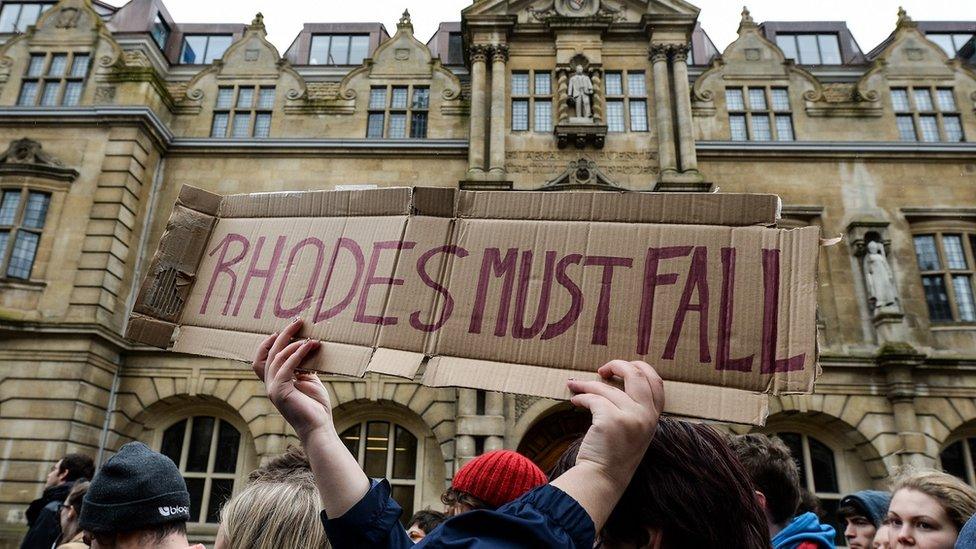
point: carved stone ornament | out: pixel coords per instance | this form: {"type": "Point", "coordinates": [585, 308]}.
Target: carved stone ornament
{"type": "Point", "coordinates": [577, 8]}
{"type": "Point", "coordinates": [25, 157]}
{"type": "Point", "coordinates": [67, 18]}
{"type": "Point", "coordinates": [581, 175]}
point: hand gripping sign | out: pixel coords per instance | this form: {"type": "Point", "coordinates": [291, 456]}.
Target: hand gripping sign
{"type": "Point", "coordinates": [510, 292]}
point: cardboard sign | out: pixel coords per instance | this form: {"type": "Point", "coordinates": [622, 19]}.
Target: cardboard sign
{"type": "Point", "coordinates": [510, 292]}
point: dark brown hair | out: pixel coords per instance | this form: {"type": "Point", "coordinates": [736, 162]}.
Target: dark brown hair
{"type": "Point", "coordinates": [452, 496]}
{"type": "Point", "coordinates": [773, 471]}
{"type": "Point", "coordinates": [689, 487]}
{"type": "Point", "coordinates": [78, 466]}
{"type": "Point", "coordinates": [427, 520]}
{"type": "Point", "coordinates": [292, 466]}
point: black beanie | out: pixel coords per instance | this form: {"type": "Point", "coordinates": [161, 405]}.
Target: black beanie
{"type": "Point", "coordinates": [134, 490]}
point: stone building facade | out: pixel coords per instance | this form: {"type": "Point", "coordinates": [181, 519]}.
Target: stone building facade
{"type": "Point", "coordinates": [105, 112]}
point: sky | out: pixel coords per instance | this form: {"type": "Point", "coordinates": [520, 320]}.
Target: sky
{"type": "Point", "coordinates": [870, 20]}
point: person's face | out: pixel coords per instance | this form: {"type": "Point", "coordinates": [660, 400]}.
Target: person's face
{"type": "Point", "coordinates": [881, 537]}
{"type": "Point", "coordinates": [415, 533]}
{"type": "Point", "coordinates": [918, 520]}
{"type": "Point", "coordinates": [54, 477]}
{"type": "Point", "coordinates": [66, 515]}
{"type": "Point", "coordinates": [221, 541]}
{"type": "Point", "coordinates": [859, 532]}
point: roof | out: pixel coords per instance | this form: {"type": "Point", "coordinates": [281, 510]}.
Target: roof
{"type": "Point", "coordinates": [928, 27]}
{"type": "Point", "coordinates": [850, 51]}
{"type": "Point", "coordinates": [298, 53]}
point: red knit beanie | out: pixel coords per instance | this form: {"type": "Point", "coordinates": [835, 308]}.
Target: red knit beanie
{"type": "Point", "coordinates": [499, 477]}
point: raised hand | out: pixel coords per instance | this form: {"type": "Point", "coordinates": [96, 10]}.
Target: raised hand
{"type": "Point", "coordinates": [299, 396]}
{"type": "Point", "coordinates": [624, 421]}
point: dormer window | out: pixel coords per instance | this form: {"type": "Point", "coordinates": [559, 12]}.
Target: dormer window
{"type": "Point", "coordinates": [17, 16]}
{"type": "Point", "coordinates": [950, 42]}
{"type": "Point", "coordinates": [338, 49]}
{"type": "Point", "coordinates": [160, 31]}
{"type": "Point", "coordinates": [810, 49]}
{"type": "Point", "coordinates": [203, 49]}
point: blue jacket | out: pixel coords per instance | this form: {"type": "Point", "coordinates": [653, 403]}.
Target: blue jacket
{"type": "Point", "coordinates": [545, 517]}
{"type": "Point", "coordinates": [802, 528]}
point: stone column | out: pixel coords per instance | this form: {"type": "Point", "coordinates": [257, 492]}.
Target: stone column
{"type": "Point", "coordinates": [496, 161]}
{"type": "Point", "coordinates": [479, 87]}
{"type": "Point", "coordinates": [495, 406]}
{"type": "Point", "coordinates": [682, 96]}
{"type": "Point", "coordinates": [466, 407]}
{"type": "Point", "coordinates": [562, 96]}
{"type": "Point", "coordinates": [898, 362]}
{"type": "Point", "coordinates": [596, 76]}
{"type": "Point", "coordinates": [662, 107]}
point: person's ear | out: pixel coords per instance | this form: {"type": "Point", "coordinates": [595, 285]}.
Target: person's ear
{"type": "Point", "coordinates": [63, 475]}
{"type": "Point", "coordinates": [761, 498]}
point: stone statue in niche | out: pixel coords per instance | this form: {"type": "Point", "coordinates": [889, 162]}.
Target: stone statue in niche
{"type": "Point", "coordinates": [581, 96]}
{"type": "Point", "coordinates": [879, 280]}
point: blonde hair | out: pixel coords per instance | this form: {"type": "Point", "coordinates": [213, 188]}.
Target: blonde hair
{"type": "Point", "coordinates": [279, 509]}
{"type": "Point", "coordinates": [955, 496]}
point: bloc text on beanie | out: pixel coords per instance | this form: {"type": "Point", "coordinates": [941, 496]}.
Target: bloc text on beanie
{"type": "Point", "coordinates": [499, 477]}
{"type": "Point", "coordinates": [134, 490]}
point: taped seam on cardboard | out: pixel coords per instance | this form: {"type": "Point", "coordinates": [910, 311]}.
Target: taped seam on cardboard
{"type": "Point", "coordinates": [681, 399]}
{"type": "Point", "coordinates": [150, 330]}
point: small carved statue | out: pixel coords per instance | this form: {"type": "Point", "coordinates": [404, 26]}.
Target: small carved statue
{"type": "Point", "coordinates": [879, 280]}
{"type": "Point", "coordinates": [581, 92]}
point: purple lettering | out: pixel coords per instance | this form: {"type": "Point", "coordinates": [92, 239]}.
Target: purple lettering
{"type": "Point", "coordinates": [492, 263]}
{"type": "Point", "coordinates": [651, 281]}
{"type": "Point", "coordinates": [266, 274]}
{"type": "Point", "coordinates": [576, 298]}
{"type": "Point", "coordinates": [372, 280]}
{"type": "Point", "coordinates": [697, 279]}
{"type": "Point", "coordinates": [223, 266]}
{"type": "Point", "coordinates": [448, 307]}
{"type": "Point", "coordinates": [770, 321]}
{"type": "Point", "coordinates": [291, 312]}
{"type": "Point", "coordinates": [601, 324]}
{"type": "Point", "coordinates": [357, 253]}
{"type": "Point", "coordinates": [723, 351]}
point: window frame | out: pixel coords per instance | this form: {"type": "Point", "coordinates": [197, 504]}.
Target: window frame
{"type": "Point", "coordinates": [254, 111]}
{"type": "Point", "coordinates": [15, 228]}
{"type": "Point", "coordinates": [389, 109]}
{"type": "Point", "coordinates": [627, 98]}
{"type": "Point", "coordinates": [936, 111]}
{"type": "Point", "coordinates": [158, 20]}
{"type": "Point", "coordinates": [952, 40]}
{"type": "Point", "coordinates": [771, 112]}
{"type": "Point", "coordinates": [530, 99]}
{"type": "Point", "coordinates": [969, 460]}
{"type": "Point", "coordinates": [203, 57]}
{"type": "Point", "coordinates": [967, 233]}
{"type": "Point", "coordinates": [794, 36]}
{"type": "Point", "coordinates": [62, 81]}
{"type": "Point", "coordinates": [20, 12]}
{"type": "Point", "coordinates": [417, 481]}
{"type": "Point", "coordinates": [348, 61]}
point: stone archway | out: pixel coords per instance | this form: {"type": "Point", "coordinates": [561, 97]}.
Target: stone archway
{"type": "Point", "coordinates": [550, 435]}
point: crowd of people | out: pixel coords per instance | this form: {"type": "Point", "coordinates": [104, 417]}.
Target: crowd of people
{"type": "Point", "coordinates": [634, 480]}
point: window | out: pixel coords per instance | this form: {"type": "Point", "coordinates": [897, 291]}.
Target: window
{"type": "Point", "coordinates": [203, 49]}
{"type": "Point", "coordinates": [387, 450]}
{"type": "Point", "coordinates": [396, 112]}
{"type": "Point", "coordinates": [243, 111]}
{"type": "Point", "coordinates": [455, 49]}
{"type": "Point", "coordinates": [54, 79]}
{"type": "Point", "coordinates": [159, 31]}
{"type": "Point", "coordinates": [810, 49]}
{"type": "Point", "coordinates": [946, 261]}
{"type": "Point", "coordinates": [818, 473]}
{"type": "Point", "coordinates": [338, 49]}
{"type": "Point", "coordinates": [927, 114]}
{"type": "Point", "coordinates": [759, 114]}
{"type": "Point", "coordinates": [957, 459]}
{"type": "Point", "coordinates": [532, 101]}
{"type": "Point", "coordinates": [626, 95]}
{"type": "Point", "coordinates": [22, 216]}
{"type": "Point", "coordinates": [207, 451]}
{"type": "Point", "coordinates": [17, 16]}
{"type": "Point", "coordinates": [950, 43]}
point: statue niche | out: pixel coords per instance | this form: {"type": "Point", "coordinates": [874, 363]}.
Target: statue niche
{"type": "Point", "coordinates": [580, 105]}
{"type": "Point", "coordinates": [879, 280]}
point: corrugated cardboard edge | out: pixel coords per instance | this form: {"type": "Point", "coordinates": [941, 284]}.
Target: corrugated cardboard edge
{"type": "Point", "coordinates": [388, 201]}
{"type": "Point", "coordinates": [681, 399]}
{"type": "Point", "coordinates": [726, 209]}
{"type": "Point", "coordinates": [173, 269]}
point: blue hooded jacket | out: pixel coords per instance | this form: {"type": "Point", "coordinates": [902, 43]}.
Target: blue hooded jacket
{"type": "Point", "coordinates": [802, 528]}
{"type": "Point", "coordinates": [873, 502]}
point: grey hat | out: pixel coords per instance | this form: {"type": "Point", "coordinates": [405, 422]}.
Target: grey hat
{"type": "Point", "coordinates": [134, 490]}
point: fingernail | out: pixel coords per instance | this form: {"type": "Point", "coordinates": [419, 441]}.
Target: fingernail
{"type": "Point", "coordinates": [296, 319]}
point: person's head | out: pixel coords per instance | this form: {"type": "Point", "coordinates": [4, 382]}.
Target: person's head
{"type": "Point", "coordinates": [279, 508]}
{"type": "Point", "coordinates": [137, 499]}
{"type": "Point", "coordinates": [490, 481]}
{"type": "Point", "coordinates": [70, 511]}
{"type": "Point", "coordinates": [774, 473]}
{"type": "Point", "coordinates": [422, 522]}
{"type": "Point", "coordinates": [881, 538]}
{"type": "Point", "coordinates": [928, 508]}
{"type": "Point", "coordinates": [862, 513]}
{"type": "Point", "coordinates": [69, 469]}
{"type": "Point", "coordinates": [689, 491]}
{"type": "Point", "coordinates": [579, 69]}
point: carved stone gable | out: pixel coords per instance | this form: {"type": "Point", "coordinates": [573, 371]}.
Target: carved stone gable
{"type": "Point", "coordinates": [26, 157]}
{"type": "Point", "coordinates": [581, 175]}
